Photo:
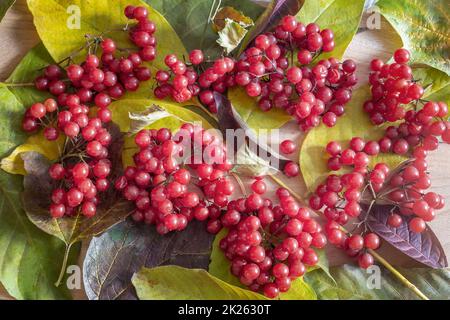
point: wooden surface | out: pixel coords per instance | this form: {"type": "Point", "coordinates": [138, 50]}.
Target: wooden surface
{"type": "Point", "coordinates": [18, 35]}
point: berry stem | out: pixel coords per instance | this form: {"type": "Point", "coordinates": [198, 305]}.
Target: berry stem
{"type": "Point", "coordinates": [64, 265]}
{"type": "Point", "coordinates": [379, 258]}
{"type": "Point", "coordinates": [402, 279]}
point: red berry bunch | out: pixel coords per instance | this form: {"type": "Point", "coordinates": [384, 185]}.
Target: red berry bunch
{"type": "Point", "coordinates": [269, 245]}
{"type": "Point", "coordinates": [182, 83]}
{"type": "Point", "coordinates": [161, 185]}
{"type": "Point", "coordinates": [97, 80]}
{"type": "Point", "coordinates": [397, 96]}
{"type": "Point", "coordinates": [341, 196]}
{"type": "Point", "coordinates": [392, 86]}
{"type": "Point", "coordinates": [81, 175]}
{"type": "Point", "coordinates": [406, 189]}
{"type": "Point", "coordinates": [308, 93]}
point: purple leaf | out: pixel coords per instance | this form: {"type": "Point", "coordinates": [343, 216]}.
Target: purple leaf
{"type": "Point", "coordinates": [271, 17]}
{"type": "Point", "coordinates": [423, 247]}
{"type": "Point", "coordinates": [113, 257]}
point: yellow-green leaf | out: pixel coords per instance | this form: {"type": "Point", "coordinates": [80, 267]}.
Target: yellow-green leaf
{"type": "Point", "coordinates": [341, 16]}
{"type": "Point", "coordinates": [25, 72]}
{"type": "Point", "coordinates": [435, 82]}
{"type": "Point", "coordinates": [423, 27]}
{"type": "Point", "coordinates": [220, 268]}
{"type": "Point", "coordinates": [50, 149]}
{"type": "Point", "coordinates": [121, 109]}
{"type": "Point", "coordinates": [355, 123]}
{"type": "Point", "coordinates": [178, 283]}
{"type": "Point", "coordinates": [247, 107]}
{"type": "Point", "coordinates": [56, 24]}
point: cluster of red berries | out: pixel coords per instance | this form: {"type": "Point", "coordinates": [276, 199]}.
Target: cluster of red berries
{"type": "Point", "coordinates": [97, 80]}
{"type": "Point", "coordinates": [407, 191]}
{"type": "Point", "coordinates": [308, 93]}
{"type": "Point", "coordinates": [159, 181]}
{"type": "Point", "coordinates": [82, 174]}
{"type": "Point", "coordinates": [397, 96]}
{"type": "Point", "coordinates": [182, 83]}
{"type": "Point", "coordinates": [341, 196]}
{"type": "Point", "coordinates": [269, 245]}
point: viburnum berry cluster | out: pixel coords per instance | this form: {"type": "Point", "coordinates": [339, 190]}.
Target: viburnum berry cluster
{"type": "Point", "coordinates": [267, 72]}
{"type": "Point", "coordinates": [397, 96]}
{"type": "Point", "coordinates": [97, 81]}
{"type": "Point", "coordinates": [81, 175]}
{"type": "Point", "coordinates": [82, 172]}
{"type": "Point", "coordinates": [182, 82]}
{"type": "Point", "coordinates": [270, 245]}
{"type": "Point", "coordinates": [166, 170]}
{"type": "Point", "coordinates": [342, 197]}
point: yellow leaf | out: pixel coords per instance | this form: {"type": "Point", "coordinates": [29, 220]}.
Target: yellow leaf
{"type": "Point", "coordinates": [355, 123]}
{"type": "Point", "coordinates": [50, 149]}
{"type": "Point", "coordinates": [177, 283]}
{"type": "Point", "coordinates": [121, 109]}
{"type": "Point", "coordinates": [56, 23]}
{"type": "Point", "coordinates": [247, 107]}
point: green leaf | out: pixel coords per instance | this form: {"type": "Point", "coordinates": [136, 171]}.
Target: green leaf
{"type": "Point", "coordinates": [4, 6]}
{"type": "Point", "coordinates": [193, 27]}
{"type": "Point", "coordinates": [178, 283]}
{"type": "Point", "coordinates": [355, 123]}
{"type": "Point", "coordinates": [355, 283]}
{"type": "Point", "coordinates": [220, 268]}
{"type": "Point", "coordinates": [247, 107]}
{"type": "Point", "coordinates": [341, 16]}
{"type": "Point", "coordinates": [29, 258]}
{"type": "Point", "coordinates": [436, 83]}
{"type": "Point", "coordinates": [62, 38]}
{"type": "Point", "coordinates": [26, 71]}
{"type": "Point", "coordinates": [423, 27]}
{"type": "Point", "coordinates": [231, 35]}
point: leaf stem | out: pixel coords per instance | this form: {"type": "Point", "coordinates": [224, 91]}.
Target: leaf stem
{"type": "Point", "coordinates": [64, 265]}
{"type": "Point", "coordinates": [11, 84]}
{"type": "Point", "coordinates": [240, 183]}
{"type": "Point", "coordinates": [379, 258]}
{"type": "Point", "coordinates": [402, 279]}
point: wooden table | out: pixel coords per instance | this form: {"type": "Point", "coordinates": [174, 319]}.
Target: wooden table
{"type": "Point", "coordinates": [18, 35]}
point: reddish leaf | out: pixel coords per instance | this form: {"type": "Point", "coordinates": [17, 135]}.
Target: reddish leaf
{"type": "Point", "coordinates": [423, 247]}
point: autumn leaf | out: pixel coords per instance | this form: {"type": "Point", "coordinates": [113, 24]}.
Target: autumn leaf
{"type": "Point", "coordinates": [423, 27]}
{"type": "Point", "coordinates": [177, 283]}
{"type": "Point", "coordinates": [113, 257]}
